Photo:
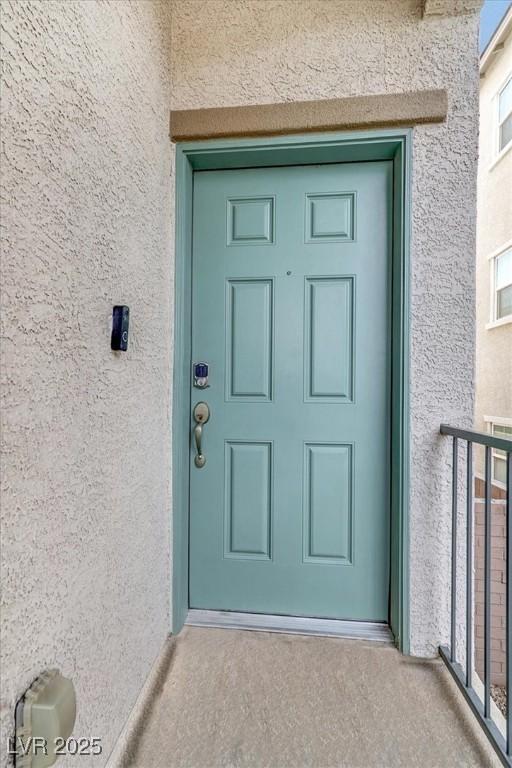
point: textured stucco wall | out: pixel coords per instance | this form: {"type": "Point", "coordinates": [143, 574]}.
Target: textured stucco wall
{"type": "Point", "coordinates": [227, 54]}
{"type": "Point", "coordinates": [86, 221]}
{"type": "Point", "coordinates": [494, 231]}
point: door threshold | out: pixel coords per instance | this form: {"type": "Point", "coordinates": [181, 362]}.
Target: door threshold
{"type": "Point", "coordinates": [293, 625]}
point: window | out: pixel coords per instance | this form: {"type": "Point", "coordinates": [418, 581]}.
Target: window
{"type": "Point", "coordinates": [502, 285]}
{"type": "Point", "coordinates": [505, 115]}
{"type": "Point", "coordinates": [499, 458]}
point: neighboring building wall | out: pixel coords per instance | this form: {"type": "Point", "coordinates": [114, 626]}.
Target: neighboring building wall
{"type": "Point", "coordinates": [253, 52]}
{"type": "Point", "coordinates": [86, 466]}
{"type": "Point", "coordinates": [494, 231]}
{"type": "Point", "coordinates": [493, 343]}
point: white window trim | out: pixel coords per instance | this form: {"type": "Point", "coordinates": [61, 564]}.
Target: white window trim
{"type": "Point", "coordinates": [495, 481]}
{"type": "Point", "coordinates": [498, 323]}
{"type": "Point", "coordinates": [501, 421]}
{"type": "Point", "coordinates": [501, 249]}
{"type": "Point", "coordinates": [495, 322]}
{"type": "Point", "coordinates": [497, 421]}
{"type": "Point", "coordinates": [498, 153]}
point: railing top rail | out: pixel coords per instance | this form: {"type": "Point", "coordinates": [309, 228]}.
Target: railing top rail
{"type": "Point", "coordinates": [482, 438]}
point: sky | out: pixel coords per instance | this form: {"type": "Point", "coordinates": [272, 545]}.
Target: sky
{"type": "Point", "coordinates": [490, 16]}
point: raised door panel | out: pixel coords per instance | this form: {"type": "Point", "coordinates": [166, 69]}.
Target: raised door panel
{"type": "Point", "coordinates": [248, 500]}
{"type": "Point", "coordinates": [330, 217]}
{"type": "Point", "coordinates": [328, 503]}
{"type": "Point", "coordinates": [250, 221]}
{"type": "Point", "coordinates": [329, 339]}
{"type": "Point", "coordinates": [249, 334]}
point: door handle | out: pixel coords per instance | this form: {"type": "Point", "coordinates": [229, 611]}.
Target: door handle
{"type": "Point", "coordinates": [201, 416]}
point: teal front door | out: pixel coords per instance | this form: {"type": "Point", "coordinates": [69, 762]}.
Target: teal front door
{"type": "Point", "coordinates": [291, 312]}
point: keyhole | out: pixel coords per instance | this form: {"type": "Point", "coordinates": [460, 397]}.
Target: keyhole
{"type": "Point", "coordinates": [288, 273]}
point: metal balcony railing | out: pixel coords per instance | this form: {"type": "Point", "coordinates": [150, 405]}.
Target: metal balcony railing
{"type": "Point", "coordinates": [477, 691]}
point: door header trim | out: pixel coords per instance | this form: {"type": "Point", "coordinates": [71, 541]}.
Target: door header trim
{"type": "Point", "coordinates": [311, 149]}
{"type": "Point", "coordinates": [348, 113]}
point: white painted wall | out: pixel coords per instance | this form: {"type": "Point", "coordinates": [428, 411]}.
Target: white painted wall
{"type": "Point", "coordinates": [251, 52]}
{"type": "Point", "coordinates": [86, 219]}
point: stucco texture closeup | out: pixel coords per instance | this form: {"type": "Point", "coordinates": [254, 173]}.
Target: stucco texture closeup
{"type": "Point", "coordinates": [87, 218]}
{"type": "Point", "coordinates": [226, 54]}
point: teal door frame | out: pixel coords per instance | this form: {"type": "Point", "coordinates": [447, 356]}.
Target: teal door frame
{"type": "Point", "coordinates": [303, 149]}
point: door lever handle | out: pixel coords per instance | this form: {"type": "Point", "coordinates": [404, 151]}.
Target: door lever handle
{"type": "Point", "coordinates": [200, 459]}
{"type": "Point", "coordinates": [201, 416]}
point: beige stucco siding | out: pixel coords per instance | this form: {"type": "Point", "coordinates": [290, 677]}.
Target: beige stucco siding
{"type": "Point", "coordinates": [253, 52]}
{"type": "Point", "coordinates": [87, 223]}
{"type": "Point", "coordinates": [494, 231]}
{"type": "Point", "coordinates": [85, 474]}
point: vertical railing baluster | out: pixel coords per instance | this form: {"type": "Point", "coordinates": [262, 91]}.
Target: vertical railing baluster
{"type": "Point", "coordinates": [469, 565]}
{"type": "Point", "coordinates": [466, 681]}
{"type": "Point", "coordinates": [508, 609]}
{"type": "Point", "coordinates": [487, 585]}
{"type": "Point", "coordinates": [453, 649]}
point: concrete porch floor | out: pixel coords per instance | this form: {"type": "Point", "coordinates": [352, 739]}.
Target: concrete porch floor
{"type": "Point", "coordinates": [240, 698]}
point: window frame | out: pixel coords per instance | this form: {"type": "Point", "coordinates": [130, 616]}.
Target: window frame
{"type": "Point", "coordinates": [494, 320]}
{"type": "Point", "coordinates": [497, 455]}
{"type": "Point", "coordinates": [499, 151]}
